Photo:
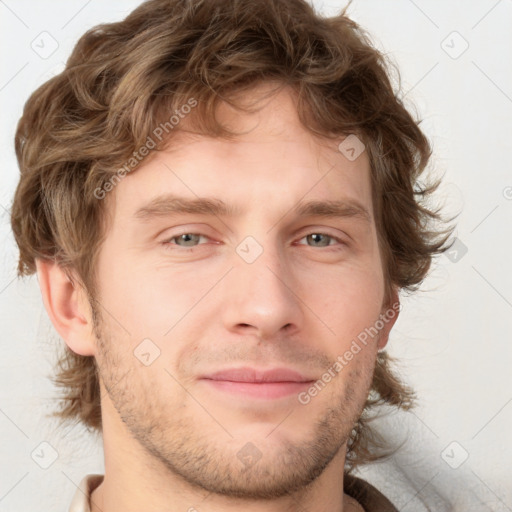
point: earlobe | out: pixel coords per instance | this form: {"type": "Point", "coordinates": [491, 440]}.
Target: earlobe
{"type": "Point", "coordinates": [67, 307]}
{"type": "Point", "coordinates": [388, 317]}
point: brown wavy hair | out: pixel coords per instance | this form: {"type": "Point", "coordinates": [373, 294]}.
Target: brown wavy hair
{"type": "Point", "coordinates": [123, 79]}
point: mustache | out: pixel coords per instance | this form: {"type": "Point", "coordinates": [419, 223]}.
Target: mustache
{"type": "Point", "coordinates": [251, 353]}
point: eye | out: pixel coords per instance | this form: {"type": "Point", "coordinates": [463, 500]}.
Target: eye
{"type": "Point", "coordinates": [191, 240]}
{"type": "Point", "coordinates": [321, 239]}
{"type": "Point", "coordinates": [185, 240]}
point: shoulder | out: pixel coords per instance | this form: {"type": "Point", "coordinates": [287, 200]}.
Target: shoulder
{"type": "Point", "coordinates": [367, 495]}
{"type": "Point", "coordinates": [82, 496]}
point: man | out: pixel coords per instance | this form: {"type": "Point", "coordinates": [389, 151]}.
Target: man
{"type": "Point", "coordinates": [217, 198]}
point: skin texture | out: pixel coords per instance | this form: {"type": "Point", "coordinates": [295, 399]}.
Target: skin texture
{"type": "Point", "coordinates": [173, 441]}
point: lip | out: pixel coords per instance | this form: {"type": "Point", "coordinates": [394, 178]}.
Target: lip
{"type": "Point", "coordinates": [251, 382]}
{"type": "Point", "coordinates": [253, 375]}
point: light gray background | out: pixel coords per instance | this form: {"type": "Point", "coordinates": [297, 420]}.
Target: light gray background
{"type": "Point", "coordinates": [453, 337]}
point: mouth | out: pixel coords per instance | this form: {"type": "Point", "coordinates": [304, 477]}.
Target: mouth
{"type": "Point", "coordinates": [263, 384]}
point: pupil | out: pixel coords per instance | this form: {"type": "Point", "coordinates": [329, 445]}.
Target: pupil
{"type": "Point", "coordinates": [188, 237]}
{"type": "Point", "coordinates": [317, 238]}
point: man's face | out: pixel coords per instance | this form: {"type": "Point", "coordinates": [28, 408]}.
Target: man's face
{"type": "Point", "coordinates": [265, 288]}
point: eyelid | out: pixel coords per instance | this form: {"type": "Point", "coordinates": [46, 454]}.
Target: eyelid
{"type": "Point", "coordinates": [188, 229]}
{"type": "Point", "coordinates": [318, 232]}
{"type": "Point", "coordinates": [168, 240]}
{"type": "Point", "coordinates": [340, 236]}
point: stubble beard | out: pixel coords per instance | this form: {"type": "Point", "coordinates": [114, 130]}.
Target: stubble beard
{"type": "Point", "coordinates": [207, 459]}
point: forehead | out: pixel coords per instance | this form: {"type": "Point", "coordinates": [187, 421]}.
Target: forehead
{"type": "Point", "coordinates": [275, 161]}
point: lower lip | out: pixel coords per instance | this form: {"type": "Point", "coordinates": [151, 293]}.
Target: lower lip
{"type": "Point", "coordinates": [265, 390]}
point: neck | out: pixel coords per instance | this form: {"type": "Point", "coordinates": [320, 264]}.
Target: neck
{"type": "Point", "coordinates": [104, 500]}
{"type": "Point", "coordinates": [131, 491]}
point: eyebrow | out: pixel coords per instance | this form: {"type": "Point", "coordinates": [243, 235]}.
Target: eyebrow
{"type": "Point", "coordinates": [166, 205]}
{"type": "Point", "coordinates": [170, 204]}
{"type": "Point", "coordinates": [340, 208]}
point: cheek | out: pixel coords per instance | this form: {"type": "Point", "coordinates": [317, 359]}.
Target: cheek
{"type": "Point", "coordinates": [347, 299]}
{"type": "Point", "coordinates": [168, 308]}
{"type": "Point", "coordinates": [151, 300]}
{"type": "Point", "coordinates": [140, 299]}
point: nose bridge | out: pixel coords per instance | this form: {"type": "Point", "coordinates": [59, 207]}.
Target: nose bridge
{"type": "Point", "coordinates": [260, 289]}
{"type": "Point", "coordinates": [267, 269]}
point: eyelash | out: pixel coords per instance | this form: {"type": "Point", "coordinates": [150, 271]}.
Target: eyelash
{"type": "Point", "coordinates": [170, 246]}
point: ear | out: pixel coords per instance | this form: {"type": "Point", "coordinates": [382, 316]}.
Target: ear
{"type": "Point", "coordinates": [67, 306]}
{"type": "Point", "coordinates": [388, 316]}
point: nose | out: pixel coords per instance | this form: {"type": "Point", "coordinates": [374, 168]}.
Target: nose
{"type": "Point", "coordinates": [262, 297]}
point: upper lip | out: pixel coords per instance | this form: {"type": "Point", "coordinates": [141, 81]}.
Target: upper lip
{"type": "Point", "coordinates": [247, 374]}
